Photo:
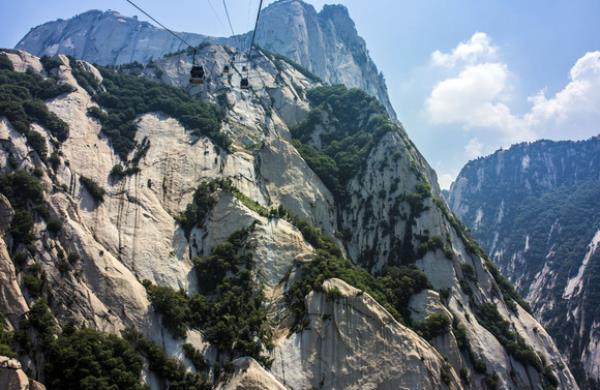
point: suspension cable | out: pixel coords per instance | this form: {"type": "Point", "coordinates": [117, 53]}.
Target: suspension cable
{"type": "Point", "coordinates": [237, 38]}
{"type": "Point", "coordinates": [255, 27]}
{"type": "Point", "coordinates": [248, 21]}
{"type": "Point", "coordinates": [228, 18]}
{"type": "Point", "coordinates": [160, 24]}
{"type": "Point", "coordinates": [214, 11]}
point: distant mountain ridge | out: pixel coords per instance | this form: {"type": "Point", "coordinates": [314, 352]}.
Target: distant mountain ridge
{"type": "Point", "coordinates": [536, 209]}
{"type": "Point", "coordinates": [326, 42]}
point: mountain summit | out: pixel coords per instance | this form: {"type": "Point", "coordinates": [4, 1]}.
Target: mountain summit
{"type": "Point", "coordinates": [326, 43]}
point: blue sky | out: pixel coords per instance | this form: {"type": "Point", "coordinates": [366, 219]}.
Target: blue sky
{"type": "Point", "coordinates": [503, 71]}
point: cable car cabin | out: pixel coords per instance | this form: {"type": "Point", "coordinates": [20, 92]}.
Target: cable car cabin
{"type": "Point", "coordinates": [226, 69]}
{"type": "Point", "coordinates": [197, 75]}
{"type": "Point", "coordinates": [244, 68]}
{"type": "Point", "coordinates": [244, 84]}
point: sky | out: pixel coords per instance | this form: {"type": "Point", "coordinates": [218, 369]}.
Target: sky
{"type": "Point", "coordinates": [466, 77]}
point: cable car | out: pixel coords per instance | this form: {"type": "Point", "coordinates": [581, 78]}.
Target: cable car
{"type": "Point", "coordinates": [226, 69]}
{"type": "Point", "coordinates": [244, 84]}
{"type": "Point", "coordinates": [244, 68]}
{"type": "Point", "coordinates": [197, 75]}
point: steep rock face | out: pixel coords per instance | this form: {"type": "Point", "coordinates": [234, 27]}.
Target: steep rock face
{"type": "Point", "coordinates": [11, 298]}
{"type": "Point", "coordinates": [249, 375]}
{"type": "Point", "coordinates": [104, 38]}
{"type": "Point", "coordinates": [350, 335]}
{"type": "Point", "coordinates": [12, 376]}
{"type": "Point", "coordinates": [393, 216]}
{"type": "Point", "coordinates": [534, 208]}
{"type": "Point", "coordinates": [133, 234]}
{"type": "Point", "coordinates": [325, 43]}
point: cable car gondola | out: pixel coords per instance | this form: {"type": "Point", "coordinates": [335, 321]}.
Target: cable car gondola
{"type": "Point", "coordinates": [197, 75]}
{"type": "Point", "coordinates": [244, 84]}
{"type": "Point", "coordinates": [226, 69]}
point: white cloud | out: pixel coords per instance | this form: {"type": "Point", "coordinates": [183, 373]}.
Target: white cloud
{"type": "Point", "coordinates": [574, 111]}
{"type": "Point", "coordinates": [474, 148]}
{"type": "Point", "coordinates": [474, 96]}
{"type": "Point", "coordinates": [477, 49]}
{"type": "Point", "coordinates": [445, 180]}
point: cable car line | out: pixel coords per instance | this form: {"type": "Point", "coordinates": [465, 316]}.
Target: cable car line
{"type": "Point", "coordinates": [255, 27]}
{"type": "Point", "coordinates": [237, 38]}
{"type": "Point", "coordinates": [197, 73]}
{"type": "Point", "coordinates": [159, 23]}
{"type": "Point", "coordinates": [248, 18]}
{"type": "Point", "coordinates": [214, 10]}
{"type": "Point", "coordinates": [228, 18]}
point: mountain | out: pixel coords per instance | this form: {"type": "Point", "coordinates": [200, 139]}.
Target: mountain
{"type": "Point", "coordinates": [287, 236]}
{"type": "Point", "coordinates": [535, 209]}
{"type": "Point", "coordinates": [326, 42]}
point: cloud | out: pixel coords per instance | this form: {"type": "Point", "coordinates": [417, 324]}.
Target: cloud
{"type": "Point", "coordinates": [478, 48]}
{"type": "Point", "coordinates": [475, 96]}
{"type": "Point", "coordinates": [445, 180]}
{"type": "Point", "coordinates": [474, 148]}
{"type": "Point", "coordinates": [475, 99]}
{"type": "Point", "coordinates": [574, 111]}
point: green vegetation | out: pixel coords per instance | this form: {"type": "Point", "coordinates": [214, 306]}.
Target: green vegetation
{"type": "Point", "coordinates": [117, 172]}
{"type": "Point", "coordinates": [38, 319]}
{"type": "Point", "coordinates": [432, 244]}
{"type": "Point", "coordinates": [5, 62]}
{"type": "Point", "coordinates": [462, 341]}
{"type": "Point", "coordinates": [468, 270]}
{"type": "Point", "coordinates": [436, 324]}
{"type": "Point", "coordinates": [172, 373]}
{"type": "Point", "coordinates": [550, 378]}
{"type": "Point", "coordinates": [488, 316]}
{"type": "Point", "coordinates": [173, 307]}
{"type": "Point", "coordinates": [50, 63]}
{"type": "Point", "coordinates": [22, 98]}
{"type": "Point", "coordinates": [229, 306]}
{"type": "Point", "coordinates": [37, 142]}
{"type": "Point", "coordinates": [34, 279]}
{"type": "Point", "coordinates": [465, 376]}
{"type": "Point", "coordinates": [392, 288]}
{"type": "Point", "coordinates": [6, 339]}
{"type": "Point", "coordinates": [195, 357]}
{"type": "Point", "coordinates": [85, 79]}
{"type": "Point", "coordinates": [560, 221]}
{"type": "Point", "coordinates": [349, 124]}
{"type": "Point", "coordinates": [196, 212]}
{"type": "Point", "coordinates": [88, 360]}
{"type": "Point", "coordinates": [26, 196]}
{"type": "Point", "coordinates": [445, 374]}
{"type": "Point", "coordinates": [508, 291]}
{"type": "Point", "coordinates": [491, 381]}
{"type": "Point", "coordinates": [124, 97]}
{"type": "Point", "coordinates": [355, 123]}
{"type": "Point", "coordinates": [93, 188]}
{"type": "Point", "coordinates": [54, 225]}
{"type": "Point", "coordinates": [204, 200]}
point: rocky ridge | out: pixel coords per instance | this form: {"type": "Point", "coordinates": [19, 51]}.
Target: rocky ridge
{"type": "Point", "coordinates": [326, 42]}
{"type": "Point", "coordinates": [134, 235]}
